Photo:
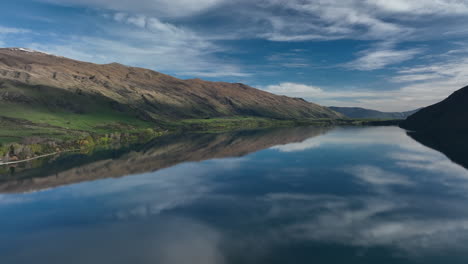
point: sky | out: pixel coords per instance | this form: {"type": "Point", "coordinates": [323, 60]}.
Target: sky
{"type": "Point", "coordinates": [393, 55]}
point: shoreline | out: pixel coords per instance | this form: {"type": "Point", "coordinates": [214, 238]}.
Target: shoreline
{"type": "Point", "coordinates": [194, 125]}
{"type": "Point", "coordinates": [2, 163]}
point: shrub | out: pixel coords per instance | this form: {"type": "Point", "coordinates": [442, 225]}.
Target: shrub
{"type": "Point", "coordinates": [36, 149]}
{"type": "Point", "coordinates": [147, 134]}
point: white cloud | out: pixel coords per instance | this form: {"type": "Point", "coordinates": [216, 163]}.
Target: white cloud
{"type": "Point", "coordinates": [301, 20]}
{"type": "Point", "coordinates": [10, 30]}
{"type": "Point", "coordinates": [415, 77]}
{"type": "Point", "coordinates": [6, 32]}
{"type": "Point", "coordinates": [324, 96]}
{"type": "Point", "coordinates": [322, 20]}
{"type": "Point", "coordinates": [420, 86]}
{"type": "Point", "coordinates": [141, 21]}
{"type": "Point", "coordinates": [295, 90]}
{"type": "Point", "coordinates": [381, 57]}
{"type": "Point", "coordinates": [295, 65]}
{"type": "Point", "coordinates": [354, 19]}
{"type": "Point", "coordinates": [226, 71]}
{"type": "Point", "coordinates": [277, 20]}
{"type": "Point", "coordinates": [172, 8]}
{"type": "Point", "coordinates": [426, 7]}
{"type": "Point", "coordinates": [292, 59]}
{"type": "Point", "coordinates": [298, 37]}
{"type": "Point", "coordinates": [453, 71]}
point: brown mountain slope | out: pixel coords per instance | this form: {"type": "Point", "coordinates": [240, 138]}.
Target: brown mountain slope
{"type": "Point", "coordinates": [141, 92]}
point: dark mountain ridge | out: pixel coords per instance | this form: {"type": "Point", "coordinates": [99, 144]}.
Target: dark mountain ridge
{"type": "Point", "coordinates": [449, 115]}
{"type": "Point", "coordinates": [443, 126]}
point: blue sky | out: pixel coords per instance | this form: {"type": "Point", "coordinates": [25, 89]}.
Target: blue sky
{"type": "Point", "coordinates": [388, 55]}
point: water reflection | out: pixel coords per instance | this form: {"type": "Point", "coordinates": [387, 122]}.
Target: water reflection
{"type": "Point", "coordinates": [161, 153]}
{"type": "Point", "coordinates": [351, 195]}
{"type": "Point", "coordinates": [454, 145]}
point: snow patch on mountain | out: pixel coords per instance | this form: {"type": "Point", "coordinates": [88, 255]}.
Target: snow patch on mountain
{"type": "Point", "coordinates": [30, 51]}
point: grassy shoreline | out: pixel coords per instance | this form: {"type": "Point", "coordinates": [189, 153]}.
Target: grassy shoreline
{"type": "Point", "coordinates": [24, 139]}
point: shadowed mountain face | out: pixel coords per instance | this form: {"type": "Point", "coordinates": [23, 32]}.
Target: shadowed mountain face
{"type": "Point", "coordinates": [162, 153]}
{"type": "Point", "coordinates": [443, 126]}
{"type": "Point", "coordinates": [450, 115]}
{"type": "Point", "coordinates": [50, 83]}
{"type": "Point", "coordinates": [358, 112]}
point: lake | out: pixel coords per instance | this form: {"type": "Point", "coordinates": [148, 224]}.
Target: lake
{"type": "Point", "coordinates": [291, 195]}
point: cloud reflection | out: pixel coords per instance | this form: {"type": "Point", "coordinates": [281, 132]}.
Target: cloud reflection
{"type": "Point", "coordinates": [377, 176]}
{"type": "Point", "coordinates": [415, 221]}
{"type": "Point", "coordinates": [354, 136]}
{"type": "Point", "coordinates": [163, 241]}
{"type": "Point", "coordinates": [372, 222]}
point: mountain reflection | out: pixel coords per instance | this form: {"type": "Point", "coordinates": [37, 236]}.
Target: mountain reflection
{"type": "Point", "coordinates": [453, 145]}
{"type": "Point", "coordinates": [161, 153]}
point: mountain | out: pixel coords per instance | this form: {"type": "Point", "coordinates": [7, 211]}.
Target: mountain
{"type": "Point", "coordinates": [443, 126]}
{"type": "Point", "coordinates": [450, 115]}
{"type": "Point", "coordinates": [161, 153]}
{"type": "Point", "coordinates": [358, 112]}
{"type": "Point", "coordinates": [71, 94]}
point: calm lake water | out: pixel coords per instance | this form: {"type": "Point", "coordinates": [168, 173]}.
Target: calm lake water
{"type": "Point", "coordinates": [299, 195]}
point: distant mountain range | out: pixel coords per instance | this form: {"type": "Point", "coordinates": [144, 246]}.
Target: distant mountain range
{"type": "Point", "coordinates": [358, 112]}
